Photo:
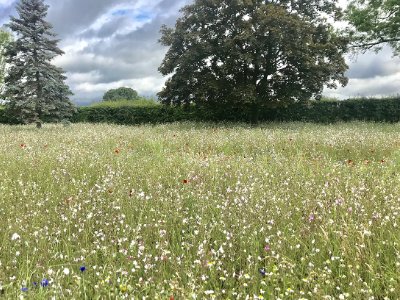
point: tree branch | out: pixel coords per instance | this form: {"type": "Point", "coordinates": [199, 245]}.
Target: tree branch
{"type": "Point", "coordinates": [370, 45]}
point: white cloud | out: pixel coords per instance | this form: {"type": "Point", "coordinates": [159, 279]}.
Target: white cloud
{"type": "Point", "coordinates": [6, 2]}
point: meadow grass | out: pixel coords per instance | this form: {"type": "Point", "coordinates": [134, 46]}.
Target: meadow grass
{"type": "Point", "coordinates": [200, 211]}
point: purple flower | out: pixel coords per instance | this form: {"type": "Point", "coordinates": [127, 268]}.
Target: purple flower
{"type": "Point", "coordinates": [262, 271]}
{"type": "Point", "coordinates": [311, 218]}
{"type": "Point", "coordinates": [24, 289]}
{"type": "Point", "coordinates": [44, 282]}
{"type": "Point", "coordinates": [83, 269]}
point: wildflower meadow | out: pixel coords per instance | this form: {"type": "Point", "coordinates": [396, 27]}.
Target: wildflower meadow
{"type": "Point", "coordinates": [200, 211]}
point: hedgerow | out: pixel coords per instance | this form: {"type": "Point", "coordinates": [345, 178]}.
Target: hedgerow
{"type": "Point", "coordinates": [374, 110]}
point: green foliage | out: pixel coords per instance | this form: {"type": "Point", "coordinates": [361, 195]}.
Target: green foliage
{"type": "Point", "coordinates": [131, 115]}
{"type": "Point", "coordinates": [5, 38]}
{"type": "Point", "coordinates": [376, 110]}
{"type": "Point", "coordinates": [122, 93]}
{"type": "Point", "coordinates": [228, 52]}
{"type": "Point", "coordinates": [140, 102]}
{"type": "Point", "coordinates": [6, 118]}
{"type": "Point", "coordinates": [34, 88]}
{"type": "Point", "coordinates": [375, 22]}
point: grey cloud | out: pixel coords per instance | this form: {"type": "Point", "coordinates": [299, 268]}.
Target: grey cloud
{"type": "Point", "coordinates": [107, 29]}
{"type": "Point", "coordinates": [69, 16]}
{"type": "Point", "coordinates": [371, 64]}
{"type": "Point", "coordinates": [370, 87]}
{"type": "Point", "coordinates": [133, 55]}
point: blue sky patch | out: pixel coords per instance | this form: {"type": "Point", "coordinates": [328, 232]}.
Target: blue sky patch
{"type": "Point", "coordinates": [141, 16]}
{"type": "Point", "coordinates": [122, 12]}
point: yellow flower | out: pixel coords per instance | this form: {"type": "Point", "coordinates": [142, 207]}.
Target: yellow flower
{"type": "Point", "coordinates": [210, 264]}
{"type": "Point", "coordinates": [123, 288]}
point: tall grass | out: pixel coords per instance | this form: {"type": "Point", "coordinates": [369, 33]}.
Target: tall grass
{"type": "Point", "coordinates": [197, 211]}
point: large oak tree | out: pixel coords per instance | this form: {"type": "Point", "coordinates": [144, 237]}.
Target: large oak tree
{"type": "Point", "coordinates": [252, 51]}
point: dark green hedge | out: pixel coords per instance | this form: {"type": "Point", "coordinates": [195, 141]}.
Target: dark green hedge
{"type": "Point", "coordinates": [377, 110]}
{"type": "Point", "coordinates": [5, 118]}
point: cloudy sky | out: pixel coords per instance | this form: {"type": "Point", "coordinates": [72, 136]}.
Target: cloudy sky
{"type": "Point", "coordinates": [113, 43]}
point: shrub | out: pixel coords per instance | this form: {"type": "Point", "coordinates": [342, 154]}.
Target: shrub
{"type": "Point", "coordinates": [377, 110]}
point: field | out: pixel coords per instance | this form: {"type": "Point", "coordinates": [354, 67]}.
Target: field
{"type": "Point", "coordinates": [200, 211]}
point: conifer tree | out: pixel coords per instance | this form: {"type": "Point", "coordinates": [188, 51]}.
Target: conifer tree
{"type": "Point", "coordinates": [4, 40]}
{"type": "Point", "coordinates": [34, 87]}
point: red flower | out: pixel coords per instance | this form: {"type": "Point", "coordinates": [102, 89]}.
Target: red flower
{"type": "Point", "coordinates": [23, 146]}
{"type": "Point", "coordinates": [185, 181]}
{"type": "Point", "coordinates": [117, 151]}
{"type": "Point", "coordinates": [382, 161]}
{"type": "Point", "coordinates": [171, 297]}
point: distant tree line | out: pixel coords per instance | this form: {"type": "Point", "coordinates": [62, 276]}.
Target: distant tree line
{"type": "Point", "coordinates": [122, 93]}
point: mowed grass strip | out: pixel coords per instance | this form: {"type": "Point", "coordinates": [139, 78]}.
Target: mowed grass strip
{"type": "Point", "coordinates": [200, 211]}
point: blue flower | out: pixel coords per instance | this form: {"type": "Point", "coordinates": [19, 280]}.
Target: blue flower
{"type": "Point", "coordinates": [262, 271]}
{"type": "Point", "coordinates": [83, 269]}
{"type": "Point", "coordinates": [24, 289]}
{"type": "Point", "coordinates": [44, 283]}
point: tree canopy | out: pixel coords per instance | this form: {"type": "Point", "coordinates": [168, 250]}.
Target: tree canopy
{"type": "Point", "coordinates": [374, 23]}
{"type": "Point", "coordinates": [252, 51]}
{"type": "Point", "coordinates": [122, 93]}
{"type": "Point", "coordinates": [5, 38]}
{"type": "Point", "coordinates": [34, 88]}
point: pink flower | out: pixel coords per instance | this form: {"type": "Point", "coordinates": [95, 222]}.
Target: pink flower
{"type": "Point", "coordinates": [267, 248]}
{"type": "Point", "coordinates": [311, 218]}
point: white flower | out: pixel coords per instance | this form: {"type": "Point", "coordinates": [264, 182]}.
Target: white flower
{"type": "Point", "coordinates": [15, 237]}
{"type": "Point", "coordinates": [66, 271]}
{"type": "Point", "coordinates": [209, 292]}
